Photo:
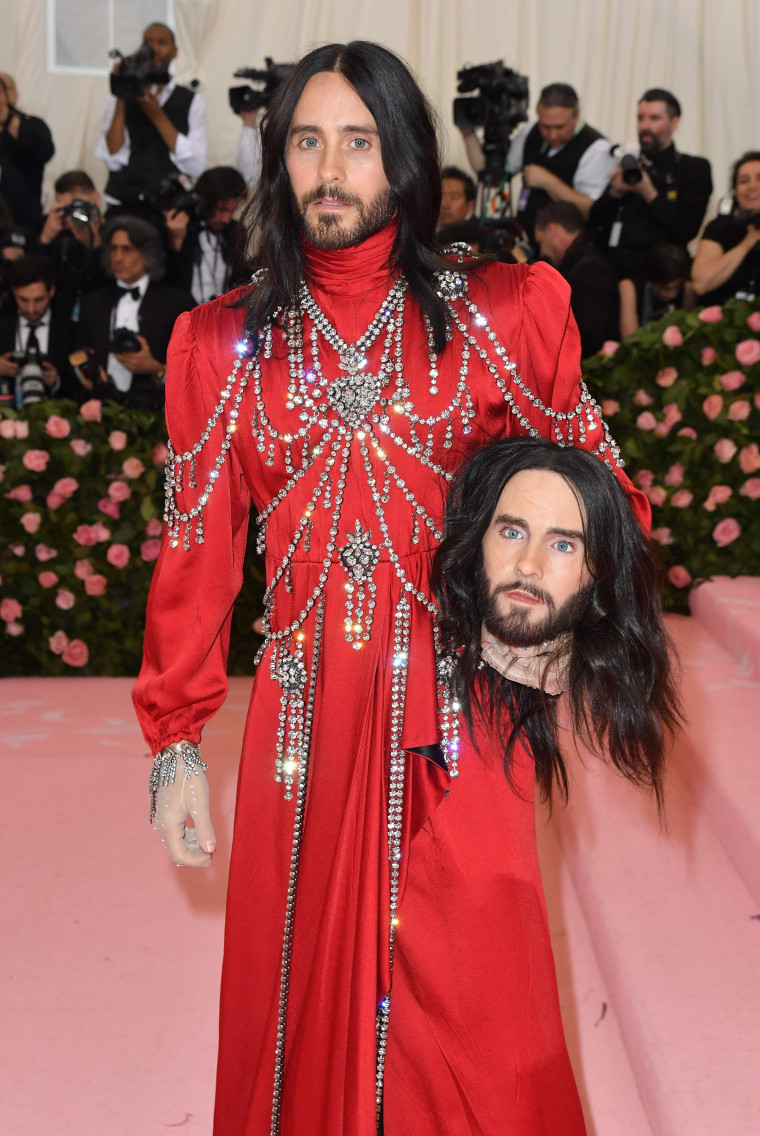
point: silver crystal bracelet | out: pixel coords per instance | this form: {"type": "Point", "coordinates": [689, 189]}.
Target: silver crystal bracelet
{"type": "Point", "coordinates": [164, 769]}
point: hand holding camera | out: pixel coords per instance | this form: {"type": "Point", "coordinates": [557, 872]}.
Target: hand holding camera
{"type": "Point", "coordinates": [133, 352]}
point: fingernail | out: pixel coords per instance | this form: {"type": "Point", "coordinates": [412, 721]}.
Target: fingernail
{"type": "Point", "coordinates": [209, 847]}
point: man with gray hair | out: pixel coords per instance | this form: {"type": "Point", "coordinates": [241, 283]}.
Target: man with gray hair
{"type": "Point", "coordinates": [128, 325]}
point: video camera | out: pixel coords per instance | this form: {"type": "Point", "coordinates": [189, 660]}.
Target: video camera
{"type": "Point", "coordinates": [500, 106]}
{"type": "Point", "coordinates": [136, 73]}
{"type": "Point", "coordinates": [248, 98]}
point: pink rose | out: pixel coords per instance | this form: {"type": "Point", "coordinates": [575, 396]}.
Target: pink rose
{"type": "Point", "coordinates": [711, 315]}
{"type": "Point", "coordinates": [109, 507]}
{"type": "Point", "coordinates": [21, 429]}
{"type": "Point", "coordinates": [749, 458]}
{"type": "Point", "coordinates": [644, 478]}
{"type": "Point", "coordinates": [674, 476]}
{"type": "Point", "coordinates": [20, 493]}
{"type": "Point", "coordinates": [718, 495]}
{"type": "Point", "coordinates": [84, 534]}
{"type": "Point", "coordinates": [751, 489]}
{"type": "Point", "coordinates": [641, 398]}
{"type": "Point", "coordinates": [31, 521]}
{"type": "Point", "coordinates": [726, 531]}
{"type": "Point", "coordinates": [609, 407]}
{"type": "Point", "coordinates": [119, 491]}
{"type": "Point", "coordinates": [76, 654]}
{"type": "Point", "coordinates": [666, 377]}
{"type": "Point", "coordinates": [36, 460]}
{"type": "Point", "coordinates": [57, 427]}
{"type": "Point", "coordinates": [724, 449]}
{"type": "Point", "coordinates": [66, 486]}
{"type": "Point", "coordinates": [679, 576]}
{"type": "Point", "coordinates": [17, 549]}
{"type": "Point", "coordinates": [100, 532]}
{"type": "Point", "coordinates": [65, 599]}
{"type": "Point", "coordinates": [707, 356]}
{"type": "Point", "coordinates": [14, 628]}
{"type": "Point", "coordinates": [160, 453]}
{"type": "Point", "coordinates": [80, 447]}
{"type": "Point", "coordinates": [154, 527]}
{"type": "Point", "coordinates": [132, 467]}
{"type": "Point", "coordinates": [756, 400]}
{"type": "Point", "coordinates": [118, 555]}
{"type": "Point", "coordinates": [83, 569]}
{"type": "Point", "coordinates": [47, 579]}
{"type": "Point", "coordinates": [91, 411]}
{"type": "Point", "coordinates": [149, 549]}
{"type": "Point", "coordinates": [10, 610]}
{"type": "Point", "coordinates": [748, 352]}
{"type": "Point", "coordinates": [739, 410]}
{"type": "Point", "coordinates": [58, 642]}
{"type": "Point", "coordinates": [43, 552]}
{"type": "Point", "coordinates": [753, 321]}
{"type": "Point", "coordinates": [672, 337]}
{"type": "Point", "coordinates": [672, 413]}
{"type": "Point", "coordinates": [609, 347]}
{"type": "Point", "coordinates": [7, 428]}
{"type": "Point", "coordinates": [688, 432]}
{"type": "Point", "coordinates": [95, 585]}
{"type": "Point", "coordinates": [117, 439]}
{"type": "Point", "coordinates": [713, 405]}
{"type": "Point", "coordinates": [662, 536]}
{"type": "Point", "coordinates": [646, 421]}
{"type": "Point", "coordinates": [657, 495]}
{"type": "Point", "coordinates": [732, 380]}
{"type": "Point", "coordinates": [682, 498]}
{"type": "Point", "coordinates": [54, 500]}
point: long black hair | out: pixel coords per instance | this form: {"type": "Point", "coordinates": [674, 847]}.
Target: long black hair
{"type": "Point", "coordinates": [411, 161]}
{"type": "Point", "coordinates": [622, 692]}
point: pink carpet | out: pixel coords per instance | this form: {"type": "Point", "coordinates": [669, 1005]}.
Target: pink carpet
{"type": "Point", "coordinates": [111, 955]}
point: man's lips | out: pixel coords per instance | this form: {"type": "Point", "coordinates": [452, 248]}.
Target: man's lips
{"type": "Point", "coordinates": [330, 203]}
{"type": "Point", "coordinates": [523, 597]}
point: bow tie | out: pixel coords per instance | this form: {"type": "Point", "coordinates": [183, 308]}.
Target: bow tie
{"type": "Point", "coordinates": [124, 291]}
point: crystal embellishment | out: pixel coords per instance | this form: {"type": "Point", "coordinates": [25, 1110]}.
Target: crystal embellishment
{"type": "Point", "coordinates": [352, 396]}
{"type": "Point", "coordinates": [359, 557]}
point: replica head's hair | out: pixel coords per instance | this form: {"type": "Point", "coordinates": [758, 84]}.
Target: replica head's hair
{"type": "Point", "coordinates": [560, 95]}
{"type": "Point", "coordinates": [144, 236]}
{"type": "Point", "coordinates": [409, 146]}
{"type": "Point", "coordinates": [660, 95]}
{"type": "Point", "coordinates": [622, 697]}
{"type": "Point", "coordinates": [455, 174]}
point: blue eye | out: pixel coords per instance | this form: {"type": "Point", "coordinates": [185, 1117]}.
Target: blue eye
{"type": "Point", "coordinates": [564, 546]}
{"type": "Point", "coordinates": [512, 533]}
{"type": "Point", "coordinates": [361, 143]}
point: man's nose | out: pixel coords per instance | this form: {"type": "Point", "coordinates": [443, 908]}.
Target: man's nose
{"type": "Point", "coordinates": [530, 561]}
{"type": "Point", "coordinates": [331, 164]}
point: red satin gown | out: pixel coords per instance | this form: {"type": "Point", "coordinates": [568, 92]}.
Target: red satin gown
{"type": "Point", "coordinates": [475, 1044]}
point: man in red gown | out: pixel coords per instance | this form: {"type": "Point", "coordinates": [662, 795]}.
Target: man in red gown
{"type": "Point", "coordinates": [387, 958]}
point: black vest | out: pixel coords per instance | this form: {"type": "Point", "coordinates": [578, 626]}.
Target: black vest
{"type": "Point", "coordinates": [149, 161]}
{"type": "Point", "coordinates": [563, 165]}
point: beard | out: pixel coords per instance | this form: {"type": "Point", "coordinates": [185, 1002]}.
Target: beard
{"type": "Point", "coordinates": [516, 629]}
{"type": "Point", "coordinates": [329, 233]}
{"type": "Point", "coordinates": [650, 145]}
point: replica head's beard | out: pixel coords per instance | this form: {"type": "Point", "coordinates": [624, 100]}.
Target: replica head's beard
{"type": "Point", "coordinates": [328, 231]}
{"type": "Point", "coordinates": [516, 628]}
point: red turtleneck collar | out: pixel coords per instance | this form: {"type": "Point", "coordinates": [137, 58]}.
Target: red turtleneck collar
{"type": "Point", "coordinates": [353, 271]}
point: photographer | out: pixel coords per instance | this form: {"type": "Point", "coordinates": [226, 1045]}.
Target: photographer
{"type": "Point", "coordinates": [458, 193]}
{"type": "Point", "coordinates": [203, 236]}
{"type": "Point", "coordinates": [659, 199]}
{"type": "Point", "coordinates": [127, 326]}
{"type": "Point", "coordinates": [71, 238]}
{"type": "Point", "coordinates": [561, 158]}
{"type": "Point", "coordinates": [728, 255]}
{"type": "Point", "coordinates": [25, 147]}
{"type": "Point", "coordinates": [154, 135]}
{"type": "Point", "coordinates": [36, 330]}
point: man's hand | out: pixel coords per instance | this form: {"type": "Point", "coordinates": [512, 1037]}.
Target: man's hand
{"type": "Point", "coordinates": [250, 118]}
{"type": "Point", "coordinates": [49, 374]}
{"type": "Point", "coordinates": [190, 845]}
{"type": "Point", "coordinates": [537, 177]}
{"type": "Point", "coordinates": [163, 124]}
{"type": "Point", "coordinates": [8, 369]}
{"type": "Point", "coordinates": [52, 227]}
{"type": "Point", "coordinates": [141, 362]}
{"type": "Point", "coordinates": [176, 223]}
{"type": "Point", "coordinates": [644, 188]}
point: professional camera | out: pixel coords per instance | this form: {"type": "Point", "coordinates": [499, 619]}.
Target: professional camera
{"type": "Point", "coordinates": [632, 163]}
{"type": "Point", "coordinates": [248, 98]}
{"type": "Point", "coordinates": [30, 386]}
{"type": "Point", "coordinates": [123, 342]}
{"type": "Point", "coordinates": [501, 105]}
{"type": "Point", "coordinates": [173, 196]}
{"type": "Point", "coordinates": [136, 73]}
{"type": "Point", "coordinates": [85, 366]}
{"type": "Point", "coordinates": [82, 212]}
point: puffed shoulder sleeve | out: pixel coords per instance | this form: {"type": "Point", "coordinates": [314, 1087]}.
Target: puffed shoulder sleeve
{"type": "Point", "coordinates": [183, 679]}
{"type": "Point", "coordinates": [550, 359]}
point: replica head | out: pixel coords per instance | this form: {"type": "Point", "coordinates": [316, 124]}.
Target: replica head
{"type": "Point", "coordinates": [657, 117]}
{"type": "Point", "coordinates": [558, 112]}
{"type": "Point", "coordinates": [458, 194]}
{"type": "Point", "coordinates": [542, 549]}
{"type": "Point", "coordinates": [745, 181]}
{"type": "Point", "coordinates": [33, 285]}
{"type": "Point", "coordinates": [348, 144]}
{"type": "Point", "coordinates": [558, 226]}
{"type": "Point", "coordinates": [132, 247]}
{"type": "Point", "coordinates": [221, 191]}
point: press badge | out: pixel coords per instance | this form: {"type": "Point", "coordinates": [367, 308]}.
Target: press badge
{"type": "Point", "coordinates": [615, 231]}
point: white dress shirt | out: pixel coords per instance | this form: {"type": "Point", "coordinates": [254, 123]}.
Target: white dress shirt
{"type": "Point", "coordinates": [210, 273]}
{"type": "Point", "coordinates": [592, 173]}
{"type": "Point", "coordinates": [248, 155]}
{"type": "Point", "coordinates": [42, 330]}
{"type": "Point", "coordinates": [125, 314]}
{"type": "Point", "coordinates": [191, 150]}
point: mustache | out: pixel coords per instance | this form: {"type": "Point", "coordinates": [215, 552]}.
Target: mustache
{"type": "Point", "coordinates": [523, 586]}
{"type": "Point", "coordinates": [330, 193]}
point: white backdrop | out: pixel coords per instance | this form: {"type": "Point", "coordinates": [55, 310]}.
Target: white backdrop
{"type": "Point", "coordinates": [706, 51]}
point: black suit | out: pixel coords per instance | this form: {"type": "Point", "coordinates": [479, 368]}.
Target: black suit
{"type": "Point", "coordinates": [22, 161]}
{"type": "Point", "coordinates": [59, 347]}
{"type": "Point", "coordinates": [595, 299]}
{"type": "Point", "coordinates": [159, 309]}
